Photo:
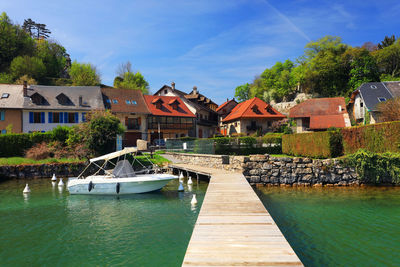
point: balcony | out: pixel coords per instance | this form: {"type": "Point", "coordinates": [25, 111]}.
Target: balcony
{"type": "Point", "coordinates": [254, 128]}
{"type": "Point", "coordinates": [207, 122]}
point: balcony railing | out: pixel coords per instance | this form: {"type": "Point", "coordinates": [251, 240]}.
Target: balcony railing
{"type": "Point", "coordinates": [133, 127]}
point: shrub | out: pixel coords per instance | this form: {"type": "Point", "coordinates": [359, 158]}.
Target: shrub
{"type": "Point", "coordinates": [374, 167]}
{"type": "Point", "coordinates": [39, 151]}
{"type": "Point", "coordinates": [316, 144]}
{"type": "Point", "coordinates": [14, 145]}
{"type": "Point", "coordinates": [378, 138]}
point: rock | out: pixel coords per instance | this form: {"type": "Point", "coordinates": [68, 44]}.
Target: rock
{"type": "Point", "coordinates": [259, 158]}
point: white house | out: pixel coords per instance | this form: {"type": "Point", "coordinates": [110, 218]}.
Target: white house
{"type": "Point", "coordinates": [46, 107]}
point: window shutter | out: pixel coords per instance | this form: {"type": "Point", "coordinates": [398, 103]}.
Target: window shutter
{"type": "Point", "coordinates": [76, 117]}
{"type": "Point", "coordinates": [42, 117]}
{"type": "Point", "coordinates": [139, 121]}
{"type": "Point", "coordinates": [61, 117]}
{"type": "Point", "coordinates": [83, 116]}
{"type": "Point", "coordinates": [126, 121]}
{"type": "Point", "coordinates": [65, 117]}
{"type": "Point", "coordinates": [50, 117]}
{"type": "Point", "coordinates": [2, 115]}
{"type": "Point", "coordinates": [30, 117]}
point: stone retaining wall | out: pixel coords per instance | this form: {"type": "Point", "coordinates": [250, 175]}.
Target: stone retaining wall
{"type": "Point", "coordinates": [41, 170]}
{"type": "Point", "coordinates": [263, 169]}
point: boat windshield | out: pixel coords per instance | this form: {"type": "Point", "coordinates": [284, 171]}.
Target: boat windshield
{"type": "Point", "coordinates": [123, 169]}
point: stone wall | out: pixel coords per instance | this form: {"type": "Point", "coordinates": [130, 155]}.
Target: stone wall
{"type": "Point", "coordinates": [263, 169]}
{"type": "Point", "coordinates": [41, 170]}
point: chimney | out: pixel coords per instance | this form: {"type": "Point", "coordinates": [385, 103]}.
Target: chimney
{"type": "Point", "coordinates": [80, 100]}
{"type": "Point", "coordinates": [25, 89]}
{"type": "Point", "coordinates": [173, 86]}
{"type": "Point", "coordinates": [195, 90]}
{"type": "Point", "coordinates": [227, 99]}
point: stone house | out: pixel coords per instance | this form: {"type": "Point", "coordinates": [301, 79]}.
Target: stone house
{"type": "Point", "coordinates": [169, 118]}
{"type": "Point", "coordinates": [251, 116]}
{"type": "Point", "coordinates": [319, 114]}
{"type": "Point", "coordinates": [364, 101]}
{"type": "Point", "coordinates": [129, 106]}
{"type": "Point", "coordinates": [206, 121]}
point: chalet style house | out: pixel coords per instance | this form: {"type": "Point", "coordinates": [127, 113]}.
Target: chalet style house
{"type": "Point", "coordinates": [319, 114]}
{"type": "Point", "coordinates": [169, 118]}
{"type": "Point", "coordinates": [368, 96]}
{"type": "Point", "coordinates": [249, 117]}
{"type": "Point", "coordinates": [131, 109]}
{"type": "Point", "coordinates": [206, 121]}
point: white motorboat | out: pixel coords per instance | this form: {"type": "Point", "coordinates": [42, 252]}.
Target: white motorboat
{"type": "Point", "coordinates": [122, 179]}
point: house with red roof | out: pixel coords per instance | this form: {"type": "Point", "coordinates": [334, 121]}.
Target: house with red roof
{"type": "Point", "coordinates": [223, 110]}
{"type": "Point", "coordinates": [319, 114]}
{"type": "Point", "coordinates": [169, 117]}
{"type": "Point", "coordinates": [251, 116]}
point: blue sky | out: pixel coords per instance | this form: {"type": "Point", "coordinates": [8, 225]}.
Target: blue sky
{"type": "Point", "coordinates": [215, 45]}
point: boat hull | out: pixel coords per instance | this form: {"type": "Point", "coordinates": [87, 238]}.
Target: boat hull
{"type": "Point", "coordinates": [103, 185]}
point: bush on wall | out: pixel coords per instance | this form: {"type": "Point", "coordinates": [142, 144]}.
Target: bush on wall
{"type": "Point", "coordinates": [14, 145]}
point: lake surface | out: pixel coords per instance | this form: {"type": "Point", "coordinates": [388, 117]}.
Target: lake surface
{"type": "Point", "coordinates": [52, 228]}
{"type": "Point", "coordinates": [338, 226]}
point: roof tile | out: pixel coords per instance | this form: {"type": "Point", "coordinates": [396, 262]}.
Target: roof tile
{"type": "Point", "coordinates": [167, 110]}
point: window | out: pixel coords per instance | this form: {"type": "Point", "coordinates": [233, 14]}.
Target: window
{"type": "Point", "coordinates": [128, 102]}
{"type": "Point", "coordinates": [55, 117]}
{"type": "Point", "coordinates": [3, 131]}
{"type": "Point", "coordinates": [165, 91]}
{"type": "Point", "coordinates": [133, 102]}
{"type": "Point", "coordinates": [115, 101]}
{"type": "Point", "coordinates": [381, 99]}
{"type": "Point", "coordinates": [83, 116]}
{"type": "Point", "coordinates": [2, 115]}
{"type": "Point", "coordinates": [108, 101]}
{"type": "Point", "coordinates": [373, 87]}
{"type": "Point", "coordinates": [5, 95]}
{"type": "Point", "coordinates": [73, 117]}
{"type": "Point", "coordinates": [361, 104]}
{"type": "Point", "coordinates": [36, 117]}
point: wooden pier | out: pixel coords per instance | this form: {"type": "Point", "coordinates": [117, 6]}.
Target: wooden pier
{"type": "Point", "coordinates": [233, 227]}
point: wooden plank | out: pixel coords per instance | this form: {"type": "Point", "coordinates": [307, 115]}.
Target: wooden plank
{"type": "Point", "coordinates": [233, 227]}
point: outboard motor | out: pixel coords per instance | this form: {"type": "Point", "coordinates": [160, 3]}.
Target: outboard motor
{"type": "Point", "coordinates": [90, 186]}
{"type": "Point", "coordinates": [118, 187]}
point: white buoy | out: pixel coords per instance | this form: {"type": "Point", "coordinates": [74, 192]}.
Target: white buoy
{"type": "Point", "coordinates": [26, 189]}
{"type": "Point", "coordinates": [180, 176]}
{"type": "Point", "coordinates": [180, 189]}
{"type": "Point", "coordinates": [190, 180]}
{"type": "Point", "coordinates": [194, 200]}
{"type": "Point", "coordinates": [54, 178]}
{"type": "Point", "coordinates": [61, 183]}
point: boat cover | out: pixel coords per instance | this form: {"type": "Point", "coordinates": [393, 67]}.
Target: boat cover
{"type": "Point", "coordinates": [116, 154]}
{"type": "Point", "coordinates": [123, 169]}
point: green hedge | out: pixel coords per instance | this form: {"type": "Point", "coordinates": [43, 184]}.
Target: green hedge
{"type": "Point", "coordinates": [375, 167]}
{"type": "Point", "coordinates": [247, 145]}
{"type": "Point", "coordinates": [378, 138]}
{"type": "Point", "coordinates": [14, 145]}
{"type": "Point", "coordinates": [326, 144]}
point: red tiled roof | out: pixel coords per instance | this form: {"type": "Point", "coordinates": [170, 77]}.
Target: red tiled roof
{"type": "Point", "coordinates": [317, 107]}
{"type": "Point", "coordinates": [167, 110]}
{"type": "Point", "coordinates": [246, 110]}
{"type": "Point", "coordinates": [224, 104]}
{"type": "Point", "coordinates": [326, 121]}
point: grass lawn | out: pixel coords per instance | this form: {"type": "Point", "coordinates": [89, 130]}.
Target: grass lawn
{"type": "Point", "coordinates": [26, 161]}
{"type": "Point", "coordinates": [157, 159]}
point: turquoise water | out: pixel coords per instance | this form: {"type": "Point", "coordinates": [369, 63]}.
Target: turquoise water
{"type": "Point", "coordinates": [338, 226]}
{"type": "Point", "coordinates": [52, 228]}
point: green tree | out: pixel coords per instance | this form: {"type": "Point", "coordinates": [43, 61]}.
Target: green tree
{"type": "Point", "coordinates": [388, 59]}
{"type": "Point", "coordinates": [362, 65]}
{"type": "Point", "coordinates": [84, 74]}
{"type": "Point", "coordinates": [26, 65]}
{"type": "Point", "coordinates": [388, 41]}
{"type": "Point", "coordinates": [98, 133]}
{"type": "Point", "coordinates": [325, 73]}
{"type": "Point", "coordinates": [242, 92]}
{"type": "Point", "coordinates": [14, 41]}
{"type": "Point", "coordinates": [53, 55]}
{"type": "Point", "coordinates": [131, 80]}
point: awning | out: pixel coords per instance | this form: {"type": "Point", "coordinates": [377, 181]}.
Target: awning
{"type": "Point", "coordinates": [116, 154]}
